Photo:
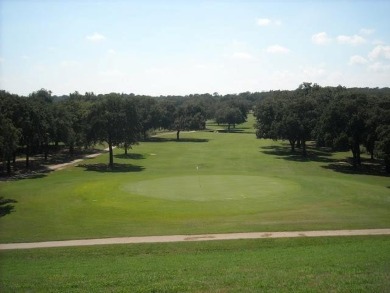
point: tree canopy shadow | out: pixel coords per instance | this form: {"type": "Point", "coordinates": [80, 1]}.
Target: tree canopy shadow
{"type": "Point", "coordinates": [236, 131]}
{"type": "Point", "coordinates": [6, 207]}
{"type": "Point", "coordinates": [368, 167]}
{"type": "Point", "coordinates": [130, 156]}
{"type": "Point", "coordinates": [25, 175]}
{"type": "Point", "coordinates": [284, 152]}
{"type": "Point", "coordinates": [185, 139]}
{"type": "Point", "coordinates": [117, 168]}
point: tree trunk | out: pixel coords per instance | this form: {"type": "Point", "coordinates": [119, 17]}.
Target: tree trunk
{"type": "Point", "coordinates": [357, 154]}
{"type": "Point", "coordinates": [144, 134]}
{"type": "Point", "coordinates": [228, 127]}
{"type": "Point", "coordinates": [304, 152]}
{"type": "Point", "coordinates": [292, 145]}
{"type": "Point", "coordinates": [111, 164]}
{"type": "Point", "coordinates": [387, 163]}
{"type": "Point", "coordinates": [9, 166]}
{"type": "Point", "coordinates": [299, 143]}
{"type": "Point", "coordinates": [178, 135]}
{"type": "Point", "coordinates": [71, 149]}
{"type": "Point", "coordinates": [27, 157]}
{"type": "Point", "coordinates": [46, 151]}
{"type": "Point", "coordinates": [126, 147]}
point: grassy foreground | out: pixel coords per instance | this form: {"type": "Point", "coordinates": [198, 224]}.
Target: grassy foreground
{"type": "Point", "coordinates": [340, 264]}
{"type": "Point", "coordinates": [209, 182]}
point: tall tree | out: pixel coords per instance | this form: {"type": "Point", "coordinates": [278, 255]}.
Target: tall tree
{"type": "Point", "coordinates": [188, 117]}
{"type": "Point", "coordinates": [114, 121]}
{"type": "Point", "coordinates": [344, 123]}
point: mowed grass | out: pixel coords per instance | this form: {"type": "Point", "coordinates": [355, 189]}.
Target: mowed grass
{"type": "Point", "coordinates": [209, 182]}
{"type": "Point", "coordinates": [339, 264]}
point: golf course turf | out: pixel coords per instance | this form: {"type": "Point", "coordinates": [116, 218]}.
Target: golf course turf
{"type": "Point", "coordinates": [209, 182]}
{"type": "Point", "coordinates": [340, 264]}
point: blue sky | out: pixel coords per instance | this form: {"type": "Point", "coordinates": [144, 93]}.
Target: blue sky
{"type": "Point", "coordinates": [186, 47]}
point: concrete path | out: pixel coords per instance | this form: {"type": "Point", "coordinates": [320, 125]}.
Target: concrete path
{"type": "Point", "coordinates": [187, 238]}
{"type": "Point", "coordinates": [64, 165]}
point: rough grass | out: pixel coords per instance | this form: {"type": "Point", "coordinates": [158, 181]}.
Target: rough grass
{"type": "Point", "coordinates": [340, 264]}
{"type": "Point", "coordinates": [148, 192]}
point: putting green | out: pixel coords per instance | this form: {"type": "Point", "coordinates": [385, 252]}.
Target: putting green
{"type": "Point", "coordinates": [212, 187]}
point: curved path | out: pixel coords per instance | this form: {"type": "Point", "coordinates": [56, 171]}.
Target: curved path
{"type": "Point", "coordinates": [187, 238]}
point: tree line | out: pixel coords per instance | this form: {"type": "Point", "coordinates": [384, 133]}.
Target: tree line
{"type": "Point", "coordinates": [41, 122]}
{"type": "Point", "coordinates": [336, 117]}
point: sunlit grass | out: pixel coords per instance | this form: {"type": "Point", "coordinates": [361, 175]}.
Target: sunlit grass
{"type": "Point", "coordinates": [340, 264]}
{"type": "Point", "coordinates": [158, 190]}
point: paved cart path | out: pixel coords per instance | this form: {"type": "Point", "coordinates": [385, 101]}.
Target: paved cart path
{"type": "Point", "coordinates": [188, 238]}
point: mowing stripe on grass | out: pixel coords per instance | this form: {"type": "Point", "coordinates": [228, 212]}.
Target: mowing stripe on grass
{"type": "Point", "coordinates": [185, 238]}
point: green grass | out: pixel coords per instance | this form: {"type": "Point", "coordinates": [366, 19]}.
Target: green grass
{"type": "Point", "coordinates": [208, 183]}
{"type": "Point", "coordinates": [340, 264]}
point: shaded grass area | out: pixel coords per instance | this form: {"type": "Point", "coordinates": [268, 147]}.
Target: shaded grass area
{"type": "Point", "coordinates": [339, 264]}
{"type": "Point", "coordinates": [102, 167]}
{"type": "Point", "coordinates": [38, 166]}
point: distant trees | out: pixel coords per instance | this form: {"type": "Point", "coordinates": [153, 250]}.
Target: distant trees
{"type": "Point", "coordinates": [231, 112]}
{"type": "Point", "coordinates": [335, 117]}
{"type": "Point", "coordinates": [339, 118]}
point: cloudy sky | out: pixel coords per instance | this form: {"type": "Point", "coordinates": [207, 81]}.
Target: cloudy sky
{"type": "Point", "coordinates": [185, 47]}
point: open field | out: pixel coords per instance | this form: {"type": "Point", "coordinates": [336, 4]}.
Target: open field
{"type": "Point", "coordinates": [209, 182]}
{"type": "Point", "coordinates": [340, 264]}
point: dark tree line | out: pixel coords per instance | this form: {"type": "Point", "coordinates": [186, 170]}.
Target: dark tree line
{"type": "Point", "coordinates": [336, 117]}
{"type": "Point", "coordinates": [41, 122]}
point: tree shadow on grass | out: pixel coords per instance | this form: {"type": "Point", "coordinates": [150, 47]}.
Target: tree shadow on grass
{"type": "Point", "coordinates": [235, 131]}
{"type": "Point", "coordinates": [118, 168]}
{"type": "Point", "coordinates": [130, 156]}
{"type": "Point", "coordinates": [368, 167]}
{"type": "Point", "coordinates": [6, 207]}
{"type": "Point", "coordinates": [164, 139]}
{"type": "Point", "coordinates": [313, 154]}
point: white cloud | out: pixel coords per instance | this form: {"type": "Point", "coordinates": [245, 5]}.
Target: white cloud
{"type": "Point", "coordinates": [112, 52]}
{"type": "Point", "coordinates": [321, 38]}
{"type": "Point", "coordinates": [2, 60]}
{"type": "Point", "coordinates": [263, 21]}
{"type": "Point", "coordinates": [351, 40]}
{"type": "Point", "coordinates": [367, 31]}
{"type": "Point", "coordinates": [268, 22]}
{"type": "Point", "coordinates": [357, 59]}
{"type": "Point", "coordinates": [380, 51]}
{"type": "Point", "coordinates": [379, 67]}
{"type": "Point", "coordinates": [95, 37]}
{"type": "Point", "coordinates": [277, 49]}
{"type": "Point", "coordinates": [242, 56]}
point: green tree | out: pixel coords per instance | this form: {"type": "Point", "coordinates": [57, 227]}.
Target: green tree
{"type": "Point", "coordinates": [344, 123]}
{"type": "Point", "coordinates": [9, 139]}
{"type": "Point", "coordinates": [113, 120]}
{"type": "Point", "coordinates": [188, 117]}
{"type": "Point", "coordinates": [149, 115]}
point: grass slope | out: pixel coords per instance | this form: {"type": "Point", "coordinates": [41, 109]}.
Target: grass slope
{"type": "Point", "coordinates": [341, 264]}
{"type": "Point", "coordinates": [248, 185]}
